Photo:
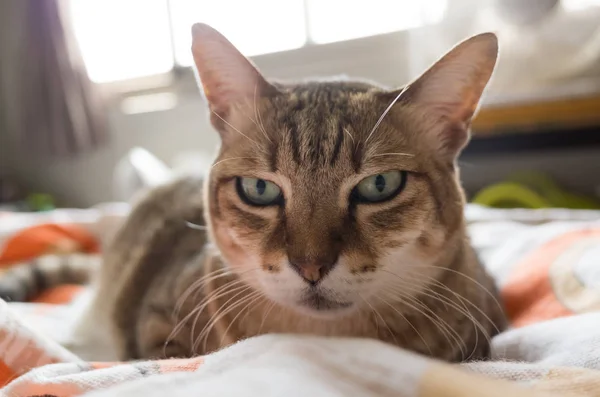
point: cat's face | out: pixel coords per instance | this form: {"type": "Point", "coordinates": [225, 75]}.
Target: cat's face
{"type": "Point", "coordinates": [317, 200]}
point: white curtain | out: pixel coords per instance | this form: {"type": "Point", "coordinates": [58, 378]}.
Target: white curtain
{"type": "Point", "coordinates": [46, 98]}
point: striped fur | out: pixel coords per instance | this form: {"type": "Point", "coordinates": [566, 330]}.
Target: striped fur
{"type": "Point", "coordinates": [24, 281]}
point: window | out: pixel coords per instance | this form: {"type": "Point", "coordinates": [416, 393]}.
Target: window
{"type": "Point", "coordinates": [337, 20]}
{"type": "Point", "coordinates": [126, 39]}
{"type": "Point", "coordinates": [123, 39]}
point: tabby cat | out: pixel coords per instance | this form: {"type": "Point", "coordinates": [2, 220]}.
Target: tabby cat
{"type": "Point", "coordinates": [333, 208]}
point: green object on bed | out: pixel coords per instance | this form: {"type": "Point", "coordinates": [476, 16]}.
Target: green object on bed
{"type": "Point", "coordinates": [532, 190]}
{"type": "Point", "coordinates": [40, 202]}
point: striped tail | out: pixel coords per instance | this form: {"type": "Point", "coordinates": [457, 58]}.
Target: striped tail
{"type": "Point", "coordinates": [24, 281]}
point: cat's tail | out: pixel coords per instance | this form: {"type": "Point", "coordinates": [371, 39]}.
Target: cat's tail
{"type": "Point", "coordinates": [24, 281]}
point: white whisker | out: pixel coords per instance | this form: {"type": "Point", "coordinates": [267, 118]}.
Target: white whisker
{"type": "Point", "coordinates": [471, 279]}
{"type": "Point", "coordinates": [222, 312]}
{"type": "Point", "coordinates": [257, 295]}
{"type": "Point", "coordinates": [232, 158]}
{"type": "Point", "coordinates": [216, 317]}
{"type": "Point", "coordinates": [409, 323]}
{"type": "Point", "coordinates": [235, 129]}
{"type": "Point", "coordinates": [349, 134]}
{"type": "Point", "coordinates": [477, 325]}
{"type": "Point", "coordinates": [195, 226]}
{"type": "Point", "coordinates": [265, 316]}
{"type": "Point", "coordinates": [439, 322]}
{"type": "Point", "coordinates": [385, 112]}
{"type": "Point", "coordinates": [258, 117]}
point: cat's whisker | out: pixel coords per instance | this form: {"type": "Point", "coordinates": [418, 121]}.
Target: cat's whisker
{"type": "Point", "coordinates": [242, 290]}
{"type": "Point", "coordinates": [406, 285]}
{"type": "Point", "coordinates": [259, 117]}
{"type": "Point", "coordinates": [235, 129]}
{"type": "Point", "coordinates": [217, 294]}
{"type": "Point", "coordinates": [222, 312]}
{"type": "Point", "coordinates": [251, 301]}
{"type": "Point", "coordinates": [350, 135]}
{"type": "Point", "coordinates": [265, 316]}
{"type": "Point", "coordinates": [462, 300]}
{"type": "Point", "coordinates": [210, 276]}
{"type": "Point", "coordinates": [406, 299]}
{"type": "Point", "coordinates": [198, 309]}
{"type": "Point", "coordinates": [236, 281]}
{"type": "Point", "coordinates": [372, 309]}
{"type": "Point", "coordinates": [408, 322]}
{"type": "Point", "coordinates": [385, 112]}
{"type": "Point", "coordinates": [477, 326]}
{"type": "Point", "coordinates": [460, 341]}
{"type": "Point", "coordinates": [197, 287]}
{"type": "Point", "coordinates": [446, 330]}
{"type": "Point", "coordinates": [233, 158]}
{"type": "Point", "coordinates": [195, 226]}
{"type": "Point", "coordinates": [471, 279]}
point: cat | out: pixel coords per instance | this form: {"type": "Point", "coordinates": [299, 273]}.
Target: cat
{"type": "Point", "coordinates": [332, 208]}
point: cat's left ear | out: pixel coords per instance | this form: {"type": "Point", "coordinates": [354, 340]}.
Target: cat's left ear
{"type": "Point", "coordinates": [451, 89]}
{"type": "Point", "coordinates": [227, 77]}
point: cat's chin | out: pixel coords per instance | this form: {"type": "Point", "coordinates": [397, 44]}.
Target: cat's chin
{"type": "Point", "coordinates": [318, 305]}
{"type": "Point", "coordinates": [322, 313]}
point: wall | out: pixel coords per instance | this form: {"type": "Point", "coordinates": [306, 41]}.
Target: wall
{"type": "Point", "coordinates": [87, 180]}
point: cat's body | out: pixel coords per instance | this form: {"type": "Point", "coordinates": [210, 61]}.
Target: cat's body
{"type": "Point", "coordinates": [332, 208]}
{"type": "Point", "coordinates": [458, 321]}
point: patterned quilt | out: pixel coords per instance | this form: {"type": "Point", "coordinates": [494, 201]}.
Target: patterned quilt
{"type": "Point", "coordinates": [547, 264]}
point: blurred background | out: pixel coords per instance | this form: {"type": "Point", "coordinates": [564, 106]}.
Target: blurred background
{"type": "Point", "coordinates": [98, 96]}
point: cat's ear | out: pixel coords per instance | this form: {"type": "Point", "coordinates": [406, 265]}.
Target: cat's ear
{"type": "Point", "coordinates": [450, 90]}
{"type": "Point", "coordinates": [227, 78]}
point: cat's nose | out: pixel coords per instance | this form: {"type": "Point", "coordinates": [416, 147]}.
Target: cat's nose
{"type": "Point", "coordinates": [312, 271]}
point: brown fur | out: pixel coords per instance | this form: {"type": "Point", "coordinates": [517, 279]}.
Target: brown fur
{"type": "Point", "coordinates": [143, 290]}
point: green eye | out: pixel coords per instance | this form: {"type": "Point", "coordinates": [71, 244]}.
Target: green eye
{"type": "Point", "coordinates": [380, 187]}
{"type": "Point", "coordinates": [259, 192]}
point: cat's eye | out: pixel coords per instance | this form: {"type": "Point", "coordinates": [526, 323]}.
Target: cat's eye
{"type": "Point", "coordinates": [380, 187]}
{"type": "Point", "coordinates": [259, 192]}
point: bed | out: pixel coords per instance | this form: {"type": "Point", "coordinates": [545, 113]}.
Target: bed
{"type": "Point", "coordinates": [546, 264]}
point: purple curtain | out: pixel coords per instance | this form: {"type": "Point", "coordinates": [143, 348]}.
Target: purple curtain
{"type": "Point", "coordinates": [58, 110]}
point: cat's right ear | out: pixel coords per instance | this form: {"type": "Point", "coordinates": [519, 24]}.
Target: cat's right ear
{"type": "Point", "coordinates": [451, 89]}
{"type": "Point", "coordinates": [228, 79]}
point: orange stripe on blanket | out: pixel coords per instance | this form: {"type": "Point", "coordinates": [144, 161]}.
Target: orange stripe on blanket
{"type": "Point", "coordinates": [529, 294]}
{"type": "Point", "coordinates": [6, 374]}
{"type": "Point", "coordinates": [62, 294]}
{"type": "Point", "coordinates": [44, 239]}
{"type": "Point", "coordinates": [165, 366]}
{"type": "Point", "coordinates": [32, 389]}
{"type": "Point", "coordinates": [180, 365]}
{"type": "Point", "coordinates": [19, 355]}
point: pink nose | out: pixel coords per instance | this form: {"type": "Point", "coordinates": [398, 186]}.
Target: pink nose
{"type": "Point", "coordinates": [312, 271]}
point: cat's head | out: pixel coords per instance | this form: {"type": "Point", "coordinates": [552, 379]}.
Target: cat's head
{"type": "Point", "coordinates": [326, 196]}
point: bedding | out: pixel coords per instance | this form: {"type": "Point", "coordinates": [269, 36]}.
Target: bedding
{"type": "Point", "coordinates": [545, 263]}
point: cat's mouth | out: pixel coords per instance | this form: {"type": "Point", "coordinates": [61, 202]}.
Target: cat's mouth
{"type": "Point", "coordinates": [316, 301]}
